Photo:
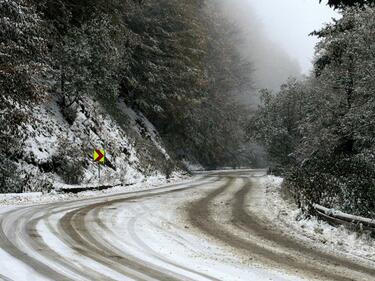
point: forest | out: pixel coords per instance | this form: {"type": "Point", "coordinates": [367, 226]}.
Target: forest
{"type": "Point", "coordinates": [173, 61]}
{"type": "Point", "coordinates": [319, 131]}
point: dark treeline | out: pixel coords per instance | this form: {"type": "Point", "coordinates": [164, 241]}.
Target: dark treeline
{"type": "Point", "coordinates": [339, 4]}
{"type": "Point", "coordinates": [172, 60]}
{"type": "Point", "coordinates": [320, 132]}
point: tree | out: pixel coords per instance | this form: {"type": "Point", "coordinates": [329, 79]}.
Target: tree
{"type": "Point", "coordinates": [338, 151]}
{"type": "Point", "coordinates": [345, 3]}
{"type": "Point", "coordinates": [23, 51]}
{"type": "Point", "coordinates": [23, 58]}
{"type": "Point", "coordinates": [165, 72]}
{"type": "Point", "coordinates": [89, 59]}
{"type": "Point", "coordinates": [276, 125]}
{"type": "Point", "coordinates": [332, 148]}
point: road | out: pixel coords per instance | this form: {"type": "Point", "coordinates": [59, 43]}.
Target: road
{"type": "Point", "coordinates": [210, 228]}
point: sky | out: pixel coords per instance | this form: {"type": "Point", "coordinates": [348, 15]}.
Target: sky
{"type": "Point", "coordinates": [288, 23]}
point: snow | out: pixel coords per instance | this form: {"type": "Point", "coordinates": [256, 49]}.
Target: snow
{"type": "Point", "coordinates": [41, 146]}
{"type": "Point", "coordinates": [138, 117]}
{"type": "Point", "coordinates": [153, 231]}
{"type": "Point", "coordinates": [317, 233]}
{"type": "Point", "coordinates": [193, 166]}
{"type": "Point", "coordinates": [22, 272]}
{"type": "Point", "coordinates": [28, 198]}
{"type": "Point", "coordinates": [150, 230]}
{"type": "Point", "coordinates": [344, 216]}
{"type": "Point", "coordinates": [48, 133]}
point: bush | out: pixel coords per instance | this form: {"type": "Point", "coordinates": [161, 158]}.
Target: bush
{"type": "Point", "coordinates": [346, 183]}
{"type": "Point", "coordinates": [69, 162]}
{"type": "Point", "coordinates": [10, 181]}
{"type": "Point", "coordinates": [71, 172]}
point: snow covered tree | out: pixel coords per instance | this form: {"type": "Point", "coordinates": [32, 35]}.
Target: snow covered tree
{"type": "Point", "coordinates": [23, 50]}
{"type": "Point", "coordinates": [23, 57]}
{"type": "Point", "coordinates": [89, 61]}
{"type": "Point", "coordinates": [333, 148]}
{"type": "Point", "coordinates": [186, 75]}
{"type": "Point", "coordinates": [165, 71]}
{"type": "Point", "coordinates": [217, 123]}
{"type": "Point", "coordinates": [276, 125]}
{"type": "Point", "coordinates": [173, 60]}
{"type": "Point", "coordinates": [339, 136]}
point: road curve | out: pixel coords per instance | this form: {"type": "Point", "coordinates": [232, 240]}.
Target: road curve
{"type": "Point", "coordinates": [207, 229]}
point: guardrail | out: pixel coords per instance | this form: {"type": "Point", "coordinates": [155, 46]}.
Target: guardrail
{"type": "Point", "coordinates": [340, 218]}
{"type": "Point", "coordinates": [65, 188]}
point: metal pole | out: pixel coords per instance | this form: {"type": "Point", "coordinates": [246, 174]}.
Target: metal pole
{"type": "Point", "coordinates": [99, 170]}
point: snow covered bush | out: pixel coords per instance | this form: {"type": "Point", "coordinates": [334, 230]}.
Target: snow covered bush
{"type": "Point", "coordinates": [69, 161]}
{"type": "Point", "coordinates": [9, 179]}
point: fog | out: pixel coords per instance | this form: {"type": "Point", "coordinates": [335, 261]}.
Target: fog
{"type": "Point", "coordinates": [274, 36]}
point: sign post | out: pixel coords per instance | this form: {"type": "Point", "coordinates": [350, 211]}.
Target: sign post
{"type": "Point", "coordinates": [99, 157]}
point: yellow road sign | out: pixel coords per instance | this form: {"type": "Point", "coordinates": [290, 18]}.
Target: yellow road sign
{"type": "Point", "coordinates": [99, 155]}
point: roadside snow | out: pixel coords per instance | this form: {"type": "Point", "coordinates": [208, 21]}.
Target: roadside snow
{"type": "Point", "coordinates": [31, 198]}
{"type": "Point", "coordinates": [319, 233]}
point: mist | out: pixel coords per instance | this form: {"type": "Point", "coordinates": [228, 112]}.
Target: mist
{"type": "Point", "coordinates": [271, 64]}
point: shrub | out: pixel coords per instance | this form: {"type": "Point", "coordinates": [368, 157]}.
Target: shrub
{"type": "Point", "coordinates": [347, 183]}
{"type": "Point", "coordinates": [10, 181]}
{"type": "Point", "coordinates": [69, 162]}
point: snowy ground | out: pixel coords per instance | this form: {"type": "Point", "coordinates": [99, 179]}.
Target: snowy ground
{"type": "Point", "coordinates": [167, 234]}
{"type": "Point", "coordinates": [28, 198]}
{"type": "Point", "coordinates": [311, 230]}
{"type": "Point", "coordinates": [224, 225]}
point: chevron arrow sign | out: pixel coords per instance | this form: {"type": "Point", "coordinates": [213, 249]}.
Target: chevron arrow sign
{"type": "Point", "coordinates": [99, 155]}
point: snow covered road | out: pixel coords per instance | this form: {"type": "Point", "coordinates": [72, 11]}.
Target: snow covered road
{"type": "Point", "coordinates": [211, 228]}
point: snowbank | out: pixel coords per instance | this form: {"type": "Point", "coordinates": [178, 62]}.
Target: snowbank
{"type": "Point", "coordinates": [318, 233]}
{"type": "Point", "coordinates": [11, 199]}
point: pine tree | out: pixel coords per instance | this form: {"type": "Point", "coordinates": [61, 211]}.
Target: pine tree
{"type": "Point", "coordinates": [89, 59]}
{"type": "Point", "coordinates": [23, 56]}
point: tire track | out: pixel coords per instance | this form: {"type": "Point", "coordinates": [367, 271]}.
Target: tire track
{"type": "Point", "coordinates": [38, 243]}
{"type": "Point", "coordinates": [253, 224]}
{"type": "Point", "coordinates": [137, 239]}
{"type": "Point", "coordinates": [10, 246]}
{"type": "Point", "coordinates": [74, 225]}
{"type": "Point", "coordinates": [201, 217]}
{"type": "Point", "coordinates": [24, 221]}
{"type": "Point", "coordinates": [79, 225]}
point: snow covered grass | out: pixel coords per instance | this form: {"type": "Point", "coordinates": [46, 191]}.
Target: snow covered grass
{"type": "Point", "coordinates": [319, 233]}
